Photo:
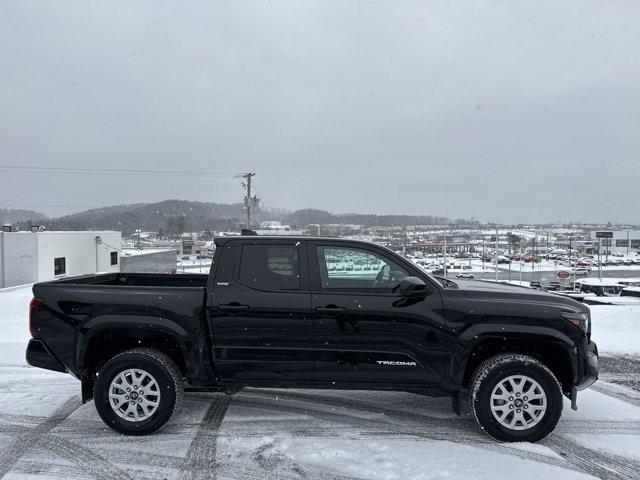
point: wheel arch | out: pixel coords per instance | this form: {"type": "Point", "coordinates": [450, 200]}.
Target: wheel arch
{"type": "Point", "coordinates": [551, 352]}
{"type": "Point", "coordinates": [105, 343]}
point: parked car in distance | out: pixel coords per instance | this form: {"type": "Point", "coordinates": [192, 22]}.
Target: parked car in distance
{"type": "Point", "coordinates": [581, 271]}
{"type": "Point", "coordinates": [438, 271]}
{"type": "Point", "coordinates": [554, 286]}
{"type": "Point", "coordinates": [535, 285]}
{"type": "Point", "coordinates": [630, 292]}
{"type": "Point", "coordinates": [270, 313]}
{"type": "Point", "coordinates": [465, 275]}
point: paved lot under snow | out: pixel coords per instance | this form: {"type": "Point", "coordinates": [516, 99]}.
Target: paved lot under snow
{"type": "Point", "coordinates": [303, 434]}
{"type": "Point", "coordinates": [300, 434]}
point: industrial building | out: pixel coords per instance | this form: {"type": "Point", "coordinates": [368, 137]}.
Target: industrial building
{"type": "Point", "coordinates": [622, 241]}
{"type": "Point", "coordinates": [28, 257]}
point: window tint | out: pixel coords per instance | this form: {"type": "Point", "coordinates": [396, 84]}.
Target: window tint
{"type": "Point", "coordinates": [357, 270]}
{"type": "Point", "coordinates": [270, 267]}
{"type": "Point", "coordinates": [114, 258]}
{"type": "Point", "coordinates": [59, 266]}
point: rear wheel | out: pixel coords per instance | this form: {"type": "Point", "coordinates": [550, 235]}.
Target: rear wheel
{"type": "Point", "coordinates": [515, 398]}
{"type": "Point", "coordinates": [138, 391]}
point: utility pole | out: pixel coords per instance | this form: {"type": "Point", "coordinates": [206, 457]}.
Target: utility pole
{"type": "Point", "coordinates": [570, 247]}
{"type": "Point", "coordinates": [520, 262]}
{"type": "Point", "coordinates": [547, 252]}
{"type": "Point", "coordinates": [445, 253]}
{"type": "Point", "coordinates": [248, 201]}
{"type": "Point", "coordinates": [600, 259]}
{"type": "Point", "coordinates": [496, 265]}
{"type": "Point", "coordinates": [509, 262]}
{"type": "Point", "coordinates": [533, 257]}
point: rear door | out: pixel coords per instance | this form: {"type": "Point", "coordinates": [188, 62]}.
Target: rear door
{"type": "Point", "coordinates": [260, 311]}
{"type": "Point", "coordinates": [364, 332]}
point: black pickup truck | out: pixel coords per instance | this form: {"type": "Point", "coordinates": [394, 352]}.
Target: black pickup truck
{"type": "Point", "coordinates": [309, 312]}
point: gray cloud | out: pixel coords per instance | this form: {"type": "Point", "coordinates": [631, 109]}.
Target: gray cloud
{"type": "Point", "coordinates": [502, 111]}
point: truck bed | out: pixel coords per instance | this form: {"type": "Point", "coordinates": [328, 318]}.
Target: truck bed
{"type": "Point", "coordinates": [136, 279]}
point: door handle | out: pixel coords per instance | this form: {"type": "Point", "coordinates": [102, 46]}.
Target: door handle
{"type": "Point", "coordinates": [233, 307]}
{"type": "Point", "coordinates": [331, 310]}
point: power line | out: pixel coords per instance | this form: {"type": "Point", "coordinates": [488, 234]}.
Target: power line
{"type": "Point", "coordinates": [110, 171]}
{"type": "Point", "coordinates": [48, 206]}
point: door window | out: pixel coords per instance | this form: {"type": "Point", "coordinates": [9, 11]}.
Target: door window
{"type": "Point", "coordinates": [270, 267]}
{"type": "Point", "coordinates": [345, 269]}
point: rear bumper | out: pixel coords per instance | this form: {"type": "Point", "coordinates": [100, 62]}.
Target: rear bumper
{"type": "Point", "coordinates": [38, 355]}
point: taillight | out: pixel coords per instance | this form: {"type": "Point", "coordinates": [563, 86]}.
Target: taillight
{"type": "Point", "coordinates": [35, 303]}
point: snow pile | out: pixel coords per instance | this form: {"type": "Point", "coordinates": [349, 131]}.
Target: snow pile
{"type": "Point", "coordinates": [14, 323]}
{"type": "Point", "coordinates": [615, 328]}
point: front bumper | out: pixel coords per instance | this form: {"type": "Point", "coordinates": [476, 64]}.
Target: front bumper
{"type": "Point", "coordinates": [589, 374]}
{"type": "Point", "coordinates": [591, 367]}
{"type": "Point", "coordinates": [38, 355]}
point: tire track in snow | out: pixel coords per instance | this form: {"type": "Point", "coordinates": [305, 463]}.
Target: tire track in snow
{"type": "Point", "coordinates": [594, 462]}
{"type": "Point", "coordinates": [200, 461]}
{"type": "Point", "coordinates": [41, 436]}
{"type": "Point", "coordinates": [33, 435]}
{"type": "Point", "coordinates": [432, 428]}
{"type": "Point", "coordinates": [87, 460]}
{"type": "Point", "coordinates": [615, 392]}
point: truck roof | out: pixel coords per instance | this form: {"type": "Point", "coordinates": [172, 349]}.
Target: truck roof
{"type": "Point", "coordinates": [219, 241]}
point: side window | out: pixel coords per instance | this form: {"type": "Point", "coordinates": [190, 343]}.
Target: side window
{"type": "Point", "coordinates": [114, 258]}
{"type": "Point", "coordinates": [270, 267]}
{"type": "Point", "coordinates": [344, 269]}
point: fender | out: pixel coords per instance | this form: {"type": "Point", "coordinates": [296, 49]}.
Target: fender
{"type": "Point", "coordinates": [462, 347]}
{"type": "Point", "coordinates": [191, 340]}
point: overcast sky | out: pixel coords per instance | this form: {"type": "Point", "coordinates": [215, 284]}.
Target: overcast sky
{"type": "Point", "coordinates": [502, 111]}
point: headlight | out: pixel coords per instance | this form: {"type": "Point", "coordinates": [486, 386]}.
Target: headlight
{"type": "Point", "coordinates": [580, 320]}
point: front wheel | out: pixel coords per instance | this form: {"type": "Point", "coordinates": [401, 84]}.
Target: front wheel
{"type": "Point", "coordinates": [138, 391]}
{"type": "Point", "coordinates": [515, 398]}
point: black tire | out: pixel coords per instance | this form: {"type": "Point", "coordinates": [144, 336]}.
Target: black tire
{"type": "Point", "coordinates": [165, 373]}
{"type": "Point", "coordinates": [494, 370]}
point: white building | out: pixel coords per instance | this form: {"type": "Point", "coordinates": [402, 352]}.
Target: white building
{"type": "Point", "coordinates": [623, 241]}
{"type": "Point", "coordinates": [27, 257]}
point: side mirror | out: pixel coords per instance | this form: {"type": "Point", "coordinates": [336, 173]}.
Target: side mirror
{"type": "Point", "coordinates": [412, 287]}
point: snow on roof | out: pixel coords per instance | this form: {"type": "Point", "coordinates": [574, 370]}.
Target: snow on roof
{"type": "Point", "coordinates": [145, 251]}
{"type": "Point", "coordinates": [605, 282]}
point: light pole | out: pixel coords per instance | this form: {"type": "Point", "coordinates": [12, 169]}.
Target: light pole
{"type": "Point", "coordinates": [496, 261]}
{"type": "Point", "coordinates": [445, 253]}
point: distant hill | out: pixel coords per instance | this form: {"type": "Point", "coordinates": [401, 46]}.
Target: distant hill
{"type": "Point", "coordinates": [172, 217]}
{"type": "Point", "coordinates": [10, 215]}
{"type": "Point", "coordinates": [169, 216]}
{"type": "Point", "coordinates": [301, 218]}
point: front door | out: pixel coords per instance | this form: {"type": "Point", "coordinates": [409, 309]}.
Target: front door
{"type": "Point", "coordinates": [260, 311]}
{"type": "Point", "coordinates": [364, 332]}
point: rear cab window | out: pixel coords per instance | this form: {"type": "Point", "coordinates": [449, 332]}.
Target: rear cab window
{"type": "Point", "coordinates": [272, 267]}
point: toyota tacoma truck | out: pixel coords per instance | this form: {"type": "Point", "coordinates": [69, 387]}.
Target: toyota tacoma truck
{"type": "Point", "coordinates": [304, 312]}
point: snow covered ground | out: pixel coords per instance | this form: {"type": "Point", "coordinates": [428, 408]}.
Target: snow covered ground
{"type": "Point", "coordinates": [303, 434]}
